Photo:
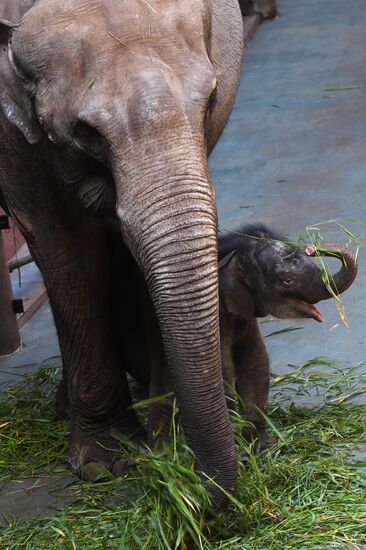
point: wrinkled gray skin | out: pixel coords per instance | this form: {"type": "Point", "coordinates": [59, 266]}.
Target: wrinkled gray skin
{"type": "Point", "coordinates": [260, 273]}
{"type": "Point", "coordinates": [266, 8]}
{"type": "Point", "coordinates": [107, 113]}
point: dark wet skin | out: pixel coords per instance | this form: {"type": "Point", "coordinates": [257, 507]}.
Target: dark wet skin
{"type": "Point", "coordinates": [261, 273]}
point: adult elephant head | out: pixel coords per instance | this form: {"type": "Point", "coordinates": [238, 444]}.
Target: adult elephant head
{"type": "Point", "coordinates": [130, 96]}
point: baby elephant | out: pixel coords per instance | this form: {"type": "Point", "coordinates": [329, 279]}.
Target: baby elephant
{"type": "Point", "coordinates": [260, 273]}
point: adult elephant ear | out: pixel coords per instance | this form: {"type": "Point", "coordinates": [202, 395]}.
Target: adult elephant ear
{"type": "Point", "coordinates": [14, 101]}
{"type": "Point", "coordinates": [234, 292]}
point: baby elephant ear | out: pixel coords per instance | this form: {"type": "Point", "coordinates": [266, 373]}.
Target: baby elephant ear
{"type": "Point", "coordinates": [14, 101]}
{"type": "Point", "coordinates": [234, 293]}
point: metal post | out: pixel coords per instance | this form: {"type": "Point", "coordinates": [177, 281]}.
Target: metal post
{"type": "Point", "coordinates": [9, 333]}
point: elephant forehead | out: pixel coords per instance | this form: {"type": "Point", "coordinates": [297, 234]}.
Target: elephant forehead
{"type": "Point", "coordinates": [282, 257]}
{"type": "Point", "coordinates": [297, 264]}
{"type": "Point", "coordinates": [280, 248]}
{"type": "Point", "coordinates": [282, 252]}
{"type": "Point", "coordinates": [70, 45]}
{"type": "Point", "coordinates": [106, 23]}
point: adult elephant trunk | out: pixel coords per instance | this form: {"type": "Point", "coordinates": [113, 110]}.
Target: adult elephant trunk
{"type": "Point", "coordinates": [343, 279]}
{"type": "Point", "coordinates": [166, 206]}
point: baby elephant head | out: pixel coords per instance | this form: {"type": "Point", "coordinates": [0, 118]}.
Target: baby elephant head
{"type": "Point", "coordinates": [261, 273]}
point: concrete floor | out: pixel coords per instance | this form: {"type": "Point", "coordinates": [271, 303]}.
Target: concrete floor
{"type": "Point", "coordinates": [293, 155]}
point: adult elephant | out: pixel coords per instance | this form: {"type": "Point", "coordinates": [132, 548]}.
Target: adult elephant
{"type": "Point", "coordinates": [108, 112]}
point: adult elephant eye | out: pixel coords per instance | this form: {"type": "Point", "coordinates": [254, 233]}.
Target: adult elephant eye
{"type": "Point", "coordinates": [89, 139]}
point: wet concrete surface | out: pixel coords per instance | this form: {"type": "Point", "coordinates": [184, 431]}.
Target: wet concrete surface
{"type": "Point", "coordinates": [35, 497]}
{"type": "Point", "coordinates": [293, 155]}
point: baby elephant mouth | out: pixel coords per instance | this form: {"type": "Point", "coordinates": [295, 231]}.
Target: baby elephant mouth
{"type": "Point", "coordinates": [308, 310]}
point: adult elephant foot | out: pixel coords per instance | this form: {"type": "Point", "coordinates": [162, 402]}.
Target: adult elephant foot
{"type": "Point", "coordinates": [94, 451]}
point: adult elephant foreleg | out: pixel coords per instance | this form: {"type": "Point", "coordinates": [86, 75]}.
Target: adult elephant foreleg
{"type": "Point", "coordinates": [81, 297]}
{"type": "Point", "coordinates": [74, 258]}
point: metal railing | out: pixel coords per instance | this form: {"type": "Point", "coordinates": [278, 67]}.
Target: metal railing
{"type": "Point", "coordinates": [9, 332]}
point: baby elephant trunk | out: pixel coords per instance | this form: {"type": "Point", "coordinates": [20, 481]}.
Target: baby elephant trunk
{"type": "Point", "coordinates": [333, 285]}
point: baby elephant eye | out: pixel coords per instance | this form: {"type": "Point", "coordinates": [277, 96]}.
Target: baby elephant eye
{"type": "Point", "coordinates": [288, 282]}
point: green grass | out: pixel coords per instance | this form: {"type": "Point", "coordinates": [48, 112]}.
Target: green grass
{"type": "Point", "coordinates": [306, 493]}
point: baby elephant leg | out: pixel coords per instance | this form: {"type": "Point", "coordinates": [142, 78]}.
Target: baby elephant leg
{"type": "Point", "coordinates": [252, 381]}
{"type": "Point", "coordinates": [228, 366]}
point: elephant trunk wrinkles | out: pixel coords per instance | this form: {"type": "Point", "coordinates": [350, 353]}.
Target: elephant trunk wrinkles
{"type": "Point", "coordinates": [343, 279]}
{"type": "Point", "coordinates": [170, 226]}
